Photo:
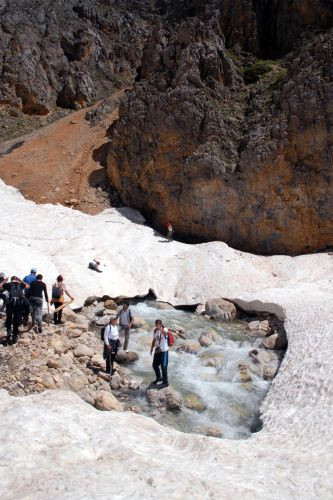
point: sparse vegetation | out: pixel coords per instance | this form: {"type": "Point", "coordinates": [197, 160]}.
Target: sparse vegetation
{"type": "Point", "coordinates": [253, 72]}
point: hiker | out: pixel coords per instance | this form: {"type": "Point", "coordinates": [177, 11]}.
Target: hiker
{"type": "Point", "coordinates": [37, 288]}
{"type": "Point", "coordinates": [161, 354]}
{"type": "Point", "coordinates": [3, 294]}
{"type": "Point", "coordinates": [58, 298]}
{"type": "Point", "coordinates": [170, 231]}
{"type": "Point", "coordinates": [94, 265]}
{"type": "Point", "coordinates": [125, 323]}
{"type": "Point", "coordinates": [111, 344]}
{"type": "Point", "coordinates": [15, 303]}
{"type": "Point", "coordinates": [30, 277]}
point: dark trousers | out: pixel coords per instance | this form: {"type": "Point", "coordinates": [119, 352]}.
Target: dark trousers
{"type": "Point", "coordinates": [58, 315]}
{"type": "Point", "coordinates": [13, 319]}
{"type": "Point", "coordinates": [161, 359]}
{"type": "Point", "coordinates": [110, 357]}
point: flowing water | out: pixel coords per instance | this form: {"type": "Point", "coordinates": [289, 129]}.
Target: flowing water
{"type": "Point", "coordinates": [232, 406]}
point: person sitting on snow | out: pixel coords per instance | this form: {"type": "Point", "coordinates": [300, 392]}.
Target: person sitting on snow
{"type": "Point", "coordinates": [94, 265]}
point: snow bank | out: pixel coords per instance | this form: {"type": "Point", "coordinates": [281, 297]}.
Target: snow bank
{"type": "Point", "coordinates": [56, 445]}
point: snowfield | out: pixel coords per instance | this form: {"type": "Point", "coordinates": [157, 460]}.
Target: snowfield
{"type": "Point", "coordinates": [54, 445]}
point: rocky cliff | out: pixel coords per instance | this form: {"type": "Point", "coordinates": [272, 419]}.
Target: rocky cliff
{"type": "Point", "coordinates": [226, 145]}
{"type": "Point", "coordinates": [226, 125]}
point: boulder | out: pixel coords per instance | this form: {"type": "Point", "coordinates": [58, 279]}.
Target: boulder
{"type": "Point", "coordinates": [258, 328]}
{"type": "Point", "coordinates": [69, 314]}
{"type": "Point", "coordinates": [83, 350]}
{"type": "Point", "coordinates": [125, 358]}
{"type": "Point", "coordinates": [103, 321]}
{"type": "Point", "coordinates": [55, 363]}
{"type": "Point", "coordinates": [189, 346]}
{"type": "Point", "coordinates": [243, 372]}
{"type": "Point", "coordinates": [211, 431]}
{"type": "Point", "coordinates": [115, 381]}
{"type": "Point", "coordinates": [193, 402]}
{"type": "Point", "coordinates": [167, 397]}
{"type": "Point", "coordinates": [98, 361]}
{"type": "Point", "coordinates": [205, 341]}
{"type": "Point", "coordinates": [74, 334]}
{"type": "Point", "coordinates": [135, 384]}
{"type": "Point", "coordinates": [98, 310]}
{"type": "Point", "coordinates": [58, 346]}
{"type": "Point", "coordinates": [275, 341]}
{"type": "Point", "coordinates": [200, 309]}
{"type": "Point", "coordinates": [88, 395]}
{"type": "Point", "coordinates": [103, 376]}
{"type": "Point", "coordinates": [77, 383]}
{"type": "Point", "coordinates": [105, 401]}
{"type": "Point", "coordinates": [137, 322]}
{"type": "Point", "coordinates": [220, 310]}
{"type": "Point", "coordinates": [90, 300]}
{"type": "Point", "coordinates": [110, 304]}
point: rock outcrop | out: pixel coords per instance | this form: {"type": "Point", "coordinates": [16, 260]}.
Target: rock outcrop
{"type": "Point", "coordinates": [260, 156]}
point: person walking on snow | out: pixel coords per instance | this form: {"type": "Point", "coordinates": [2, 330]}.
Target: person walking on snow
{"type": "Point", "coordinates": [125, 323]}
{"type": "Point", "coordinates": [30, 278]}
{"type": "Point", "coordinates": [15, 304]}
{"type": "Point", "coordinates": [58, 298]}
{"type": "Point", "coordinates": [111, 344]}
{"type": "Point", "coordinates": [161, 354]}
{"type": "Point", "coordinates": [37, 288]}
{"type": "Point", "coordinates": [170, 231]}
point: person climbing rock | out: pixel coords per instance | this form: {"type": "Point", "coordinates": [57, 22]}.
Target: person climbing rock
{"type": "Point", "coordinates": [161, 355]}
{"type": "Point", "coordinates": [37, 288]}
{"type": "Point", "coordinates": [111, 344]}
{"type": "Point", "coordinates": [125, 323]}
{"type": "Point", "coordinates": [15, 303]}
{"type": "Point", "coordinates": [94, 265]}
{"type": "Point", "coordinates": [170, 231]}
{"type": "Point", "coordinates": [58, 298]}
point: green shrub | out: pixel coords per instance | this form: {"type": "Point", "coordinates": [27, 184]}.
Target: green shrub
{"type": "Point", "coordinates": [253, 72]}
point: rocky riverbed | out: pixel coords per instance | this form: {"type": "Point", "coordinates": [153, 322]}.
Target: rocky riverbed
{"type": "Point", "coordinates": [219, 370]}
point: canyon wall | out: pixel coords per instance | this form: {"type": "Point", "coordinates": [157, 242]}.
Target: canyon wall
{"type": "Point", "coordinates": [205, 141]}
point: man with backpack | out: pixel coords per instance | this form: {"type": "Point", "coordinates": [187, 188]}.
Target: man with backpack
{"type": "Point", "coordinates": [30, 278]}
{"type": "Point", "coordinates": [125, 323]}
{"type": "Point", "coordinates": [111, 344]}
{"type": "Point", "coordinates": [37, 288]}
{"type": "Point", "coordinates": [161, 355]}
{"type": "Point", "coordinates": [16, 301]}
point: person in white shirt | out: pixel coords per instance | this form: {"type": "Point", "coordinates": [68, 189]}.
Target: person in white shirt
{"type": "Point", "coordinates": [111, 344]}
{"type": "Point", "coordinates": [161, 355]}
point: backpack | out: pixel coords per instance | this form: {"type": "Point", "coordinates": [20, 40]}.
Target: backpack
{"type": "Point", "coordinates": [15, 295]}
{"type": "Point", "coordinates": [171, 339]}
{"type": "Point", "coordinates": [56, 292]}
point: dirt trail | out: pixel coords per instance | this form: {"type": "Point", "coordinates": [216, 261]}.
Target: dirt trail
{"type": "Point", "coordinates": [63, 162]}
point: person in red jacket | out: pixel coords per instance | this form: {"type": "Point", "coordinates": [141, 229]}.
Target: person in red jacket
{"type": "Point", "coordinates": [170, 231]}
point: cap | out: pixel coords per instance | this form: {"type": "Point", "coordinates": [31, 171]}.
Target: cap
{"type": "Point", "coordinates": [165, 330]}
{"type": "Point", "coordinates": [33, 270]}
{"type": "Point", "coordinates": [2, 275]}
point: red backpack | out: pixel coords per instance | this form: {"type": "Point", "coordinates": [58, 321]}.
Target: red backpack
{"type": "Point", "coordinates": [171, 339]}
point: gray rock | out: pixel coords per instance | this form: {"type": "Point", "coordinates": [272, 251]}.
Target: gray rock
{"type": "Point", "coordinates": [220, 310]}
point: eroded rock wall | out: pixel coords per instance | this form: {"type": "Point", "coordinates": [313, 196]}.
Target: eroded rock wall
{"type": "Point", "coordinates": [249, 165]}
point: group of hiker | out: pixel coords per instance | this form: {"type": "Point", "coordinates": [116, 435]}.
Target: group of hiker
{"type": "Point", "coordinates": [20, 298]}
{"type": "Point", "coordinates": [162, 340]}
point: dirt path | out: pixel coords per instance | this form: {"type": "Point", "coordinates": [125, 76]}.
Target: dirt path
{"type": "Point", "coordinates": [63, 162]}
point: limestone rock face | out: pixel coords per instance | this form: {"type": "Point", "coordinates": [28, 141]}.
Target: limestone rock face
{"type": "Point", "coordinates": [260, 157]}
{"type": "Point", "coordinates": [51, 52]}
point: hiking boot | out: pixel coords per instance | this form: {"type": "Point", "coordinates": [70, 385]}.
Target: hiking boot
{"type": "Point", "coordinates": [163, 386]}
{"type": "Point", "coordinates": [14, 341]}
{"type": "Point", "coordinates": [40, 329]}
{"type": "Point", "coordinates": [156, 381]}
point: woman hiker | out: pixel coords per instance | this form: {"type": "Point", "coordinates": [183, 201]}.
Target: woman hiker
{"type": "Point", "coordinates": [58, 298]}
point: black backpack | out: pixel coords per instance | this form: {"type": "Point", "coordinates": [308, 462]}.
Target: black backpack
{"type": "Point", "coordinates": [56, 292]}
{"type": "Point", "coordinates": [15, 295]}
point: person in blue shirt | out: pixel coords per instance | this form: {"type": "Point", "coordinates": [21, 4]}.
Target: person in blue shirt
{"type": "Point", "coordinates": [30, 278]}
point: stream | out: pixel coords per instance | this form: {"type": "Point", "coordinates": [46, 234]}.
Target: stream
{"type": "Point", "coordinates": [212, 376]}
